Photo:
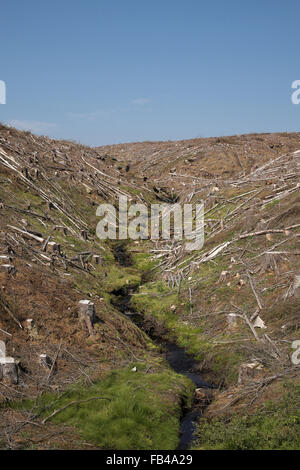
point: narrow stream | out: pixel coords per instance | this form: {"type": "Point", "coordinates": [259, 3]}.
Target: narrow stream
{"type": "Point", "coordinates": [176, 357]}
{"type": "Point", "coordinates": [183, 364]}
{"type": "Point", "coordinates": [178, 360]}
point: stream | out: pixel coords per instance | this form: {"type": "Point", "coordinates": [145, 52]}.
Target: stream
{"type": "Point", "coordinates": [184, 364]}
{"type": "Point", "coordinates": [177, 358]}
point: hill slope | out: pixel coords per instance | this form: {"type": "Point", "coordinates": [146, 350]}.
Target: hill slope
{"type": "Point", "coordinates": [212, 302]}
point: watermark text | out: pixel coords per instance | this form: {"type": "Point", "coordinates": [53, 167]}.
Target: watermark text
{"type": "Point", "coordinates": [2, 92]}
{"type": "Point", "coordinates": [155, 222]}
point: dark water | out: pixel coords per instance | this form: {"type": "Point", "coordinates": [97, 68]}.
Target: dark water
{"type": "Point", "coordinates": [184, 364]}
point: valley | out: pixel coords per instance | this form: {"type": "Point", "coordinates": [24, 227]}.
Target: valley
{"type": "Point", "coordinates": [184, 349]}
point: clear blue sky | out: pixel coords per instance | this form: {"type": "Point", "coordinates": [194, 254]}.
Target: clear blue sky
{"type": "Point", "coordinates": [104, 72]}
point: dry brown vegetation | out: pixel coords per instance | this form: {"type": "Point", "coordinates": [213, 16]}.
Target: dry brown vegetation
{"type": "Point", "coordinates": [251, 188]}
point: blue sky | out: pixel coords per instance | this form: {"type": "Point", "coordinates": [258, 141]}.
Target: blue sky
{"type": "Point", "coordinates": [104, 72]}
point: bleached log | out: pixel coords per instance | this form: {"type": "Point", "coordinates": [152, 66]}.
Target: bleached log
{"type": "Point", "coordinates": [214, 252]}
{"type": "Point", "coordinates": [46, 243]}
{"type": "Point", "coordinates": [259, 323]}
{"type": "Point", "coordinates": [5, 332]}
{"type": "Point", "coordinates": [254, 291]}
{"type": "Point", "coordinates": [27, 234]}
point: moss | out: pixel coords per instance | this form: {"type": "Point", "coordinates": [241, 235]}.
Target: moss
{"type": "Point", "coordinates": [141, 413]}
{"type": "Point", "coordinates": [143, 262]}
{"type": "Point", "coordinates": [156, 302]}
{"type": "Point", "coordinates": [118, 278]}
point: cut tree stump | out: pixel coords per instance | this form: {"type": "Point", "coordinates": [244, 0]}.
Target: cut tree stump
{"type": "Point", "coordinates": [296, 286]}
{"type": "Point", "coordinates": [96, 259]}
{"type": "Point", "coordinates": [87, 314]}
{"type": "Point", "coordinates": [9, 268]}
{"type": "Point", "coordinates": [249, 372]}
{"type": "Point", "coordinates": [2, 349]}
{"type": "Point", "coordinates": [45, 361]}
{"type": "Point", "coordinates": [6, 258]}
{"type": "Point", "coordinates": [52, 247]}
{"type": "Point", "coordinates": [232, 321]}
{"type": "Point", "coordinates": [8, 370]}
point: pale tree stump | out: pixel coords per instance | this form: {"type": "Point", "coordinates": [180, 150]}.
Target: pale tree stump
{"type": "Point", "coordinates": [232, 321]}
{"type": "Point", "coordinates": [96, 259]}
{"type": "Point", "coordinates": [9, 268]}
{"type": "Point", "coordinates": [249, 372]}
{"type": "Point", "coordinates": [296, 286]}
{"type": "Point", "coordinates": [52, 247]}
{"type": "Point", "coordinates": [45, 361]}
{"type": "Point", "coordinates": [87, 314]}
{"type": "Point", "coordinates": [5, 258]}
{"type": "Point", "coordinates": [83, 234]}
{"type": "Point", "coordinates": [8, 370]}
{"type": "Point", "coordinates": [29, 323]}
{"type": "Point", "coordinates": [31, 328]}
{"type": "Point", "coordinates": [2, 349]}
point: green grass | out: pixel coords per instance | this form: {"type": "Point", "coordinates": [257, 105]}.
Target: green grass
{"type": "Point", "coordinates": [144, 411]}
{"type": "Point", "coordinates": [275, 426]}
{"type": "Point", "coordinates": [270, 205]}
{"type": "Point", "coordinates": [157, 304]}
{"type": "Point", "coordinates": [143, 261]}
{"type": "Point", "coordinates": [119, 277]}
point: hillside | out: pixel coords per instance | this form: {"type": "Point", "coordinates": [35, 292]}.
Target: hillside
{"type": "Point", "coordinates": [234, 306]}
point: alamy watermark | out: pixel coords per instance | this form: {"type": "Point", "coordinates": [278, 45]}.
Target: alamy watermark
{"type": "Point", "coordinates": [2, 92]}
{"type": "Point", "coordinates": [296, 94]}
{"type": "Point", "coordinates": [296, 354]}
{"type": "Point", "coordinates": [156, 221]}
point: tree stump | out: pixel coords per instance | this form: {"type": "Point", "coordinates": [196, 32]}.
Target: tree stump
{"type": "Point", "coordinates": [249, 372]}
{"type": "Point", "coordinates": [8, 370]}
{"type": "Point", "coordinates": [8, 268]}
{"type": "Point", "coordinates": [87, 314]}
{"type": "Point", "coordinates": [203, 396]}
{"type": "Point", "coordinates": [96, 259]}
{"type": "Point", "coordinates": [29, 323]}
{"type": "Point", "coordinates": [296, 286]}
{"type": "Point", "coordinates": [232, 321]}
{"type": "Point", "coordinates": [2, 349]}
{"type": "Point", "coordinates": [53, 247]}
{"type": "Point", "coordinates": [6, 258]}
{"type": "Point", "coordinates": [45, 361]}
